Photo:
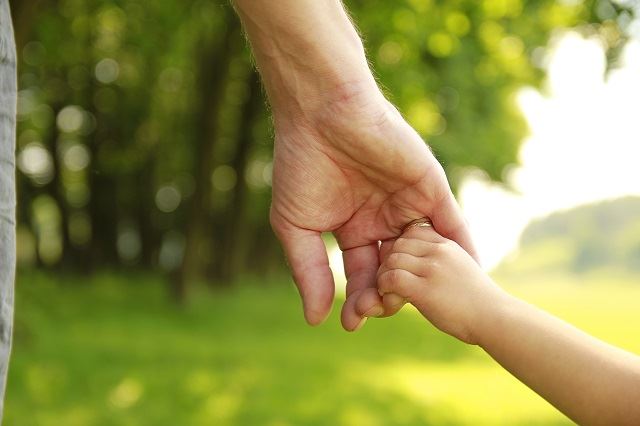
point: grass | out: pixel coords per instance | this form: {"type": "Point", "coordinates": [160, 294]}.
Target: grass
{"type": "Point", "coordinates": [113, 350]}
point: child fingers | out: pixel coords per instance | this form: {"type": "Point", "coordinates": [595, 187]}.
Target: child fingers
{"type": "Point", "coordinates": [392, 303]}
{"type": "Point", "coordinates": [412, 246]}
{"type": "Point", "coordinates": [424, 233]}
{"type": "Point", "coordinates": [400, 282]}
{"type": "Point", "coordinates": [408, 262]}
{"type": "Point", "coordinates": [369, 303]}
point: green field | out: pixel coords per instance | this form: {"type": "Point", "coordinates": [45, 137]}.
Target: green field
{"type": "Point", "coordinates": [113, 350]}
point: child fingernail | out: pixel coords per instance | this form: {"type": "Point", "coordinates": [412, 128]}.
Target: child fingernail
{"type": "Point", "coordinates": [376, 311]}
{"type": "Point", "coordinates": [360, 324]}
{"type": "Point", "coordinates": [393, 300]}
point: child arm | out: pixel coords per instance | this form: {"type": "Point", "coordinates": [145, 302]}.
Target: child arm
{"type": "Point", "coordinates": [588, 380]}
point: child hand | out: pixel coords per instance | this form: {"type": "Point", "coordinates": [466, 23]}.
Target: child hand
{"type": "Point", "coordinates": [441, 280]}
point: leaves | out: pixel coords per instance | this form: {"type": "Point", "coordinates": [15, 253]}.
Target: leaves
{"type": "Point", "coordinates": [125, 84]}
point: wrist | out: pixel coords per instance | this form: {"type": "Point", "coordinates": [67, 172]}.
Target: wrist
{"type": "Point", "coordinates": [307, 51]}
{"type": "Point", "coordinates": [497, 310]}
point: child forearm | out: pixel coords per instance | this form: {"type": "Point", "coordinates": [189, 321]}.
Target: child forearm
{"type": "Point", "coordinates": [588, 380]}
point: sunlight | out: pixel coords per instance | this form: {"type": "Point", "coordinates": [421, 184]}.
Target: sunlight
{"type": "Point", "coordinates": [126, 394]}
{"type": "Point", "coordinates": [337, 268]}
{"type": "Point", "coordinates": [583, 145]}
{"type": "Point", "coordinates": [462, 391]}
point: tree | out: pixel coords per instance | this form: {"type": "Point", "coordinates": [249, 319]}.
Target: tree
{"type": "Point", "coordinates": [153, 142]}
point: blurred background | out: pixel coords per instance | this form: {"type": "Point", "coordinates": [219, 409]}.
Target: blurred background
{"type": "Point", "coordinates": [151, 290]}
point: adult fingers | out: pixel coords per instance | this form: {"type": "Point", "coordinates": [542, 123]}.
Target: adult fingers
{"type": "Point", "coordinates": [422, 233]}
{"type": "Point", "coordinates": [432, 196]}
{"type": "Point", "coordinates": [361, 266]}
{"type": "Point", "coordinates": [309, 263]}
{"type": "Point", "coordinates": [349, 322]}
{"type": "Point", "coordinates": [385, 248]}
{"type": "Point", "coordinates": [359, 306]}
{"type": "Point", "coordinates": [448, 221]}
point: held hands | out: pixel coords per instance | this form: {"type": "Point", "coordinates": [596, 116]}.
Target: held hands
{"type": "Point", "coordinates": [441, 280]}
{"type": "Point", "coordinates": [345, 161]}
{"type": "Point", "coordinates": [348, 163]}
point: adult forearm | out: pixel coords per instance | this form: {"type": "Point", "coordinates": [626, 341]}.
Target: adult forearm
{"type": "Point", "coordinates": [306, 50]}
{"type": "Point", "coordinates": [589, 380]}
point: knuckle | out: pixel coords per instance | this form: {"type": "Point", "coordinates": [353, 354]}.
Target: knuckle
{"type": "Point", "coordinates": [442, 248]}
{"type": "Point", "coordinates": [390, 280]}
{"type": "Point", "coordinates": [394, 259]}
{"type": "Point", "coordinates": [448, 248]}
{"type": "Point", "coordinates": [396, 277]}
{"type": "Point", "coordinates": [435, 266]}
{"type": "Point", "coordinates": [401, 244]}
{"type": "Point", "coordinates": [429, 267]}
{"type": "Point", "coordinates": [436, 250]}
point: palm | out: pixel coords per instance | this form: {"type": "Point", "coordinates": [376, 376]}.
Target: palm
{"type": "Point", "coordinates": [363, 180]}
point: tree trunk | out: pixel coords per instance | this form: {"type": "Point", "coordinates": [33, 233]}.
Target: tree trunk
{"type": "Point", "coordinates": [235, 239]}
{"type": "Point", "coordinates": [24, 13]}
{"type": "Point", "coordinates": [55, 189]}
{"type": "Point", "coordinates": [213, 73]}
{"type": "Point", "coordinates": [149, 236]}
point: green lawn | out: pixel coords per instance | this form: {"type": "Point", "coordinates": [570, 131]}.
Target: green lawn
{"type": "Point", "coordinates": [113, 350]}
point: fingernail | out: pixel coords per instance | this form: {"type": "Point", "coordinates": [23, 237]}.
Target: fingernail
{"type": "Point", "coordinates": [376, 311]}
{"type": "Point", "coordinates": [393, 300]}
{"type": "Point", "coordinates": [360, 324]}
{"type": "Point", "coordinates": [314, 317]}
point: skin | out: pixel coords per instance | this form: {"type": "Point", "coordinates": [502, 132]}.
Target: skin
{"type": "Point", "coordinates": [345, 161]}
{"type": "Point", "coordinates": [590, 381]}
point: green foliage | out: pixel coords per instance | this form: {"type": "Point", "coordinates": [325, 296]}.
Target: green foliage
{"type": "Point", "coordinates": [454, 68]}
{"type": "Point", "coordinates": [143, 133]}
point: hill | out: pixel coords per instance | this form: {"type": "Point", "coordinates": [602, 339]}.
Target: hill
{"type": "Point", "coordinates": [604, 235]}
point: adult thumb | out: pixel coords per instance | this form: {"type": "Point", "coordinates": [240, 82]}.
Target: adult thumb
{"type": "Point", "coordinates": [309, 263]}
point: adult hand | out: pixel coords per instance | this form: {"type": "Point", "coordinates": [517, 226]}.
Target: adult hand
{"type": "Point", "coordinates": [345, 160]}
{"type": "Point", "coordinates": [354, 167]}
